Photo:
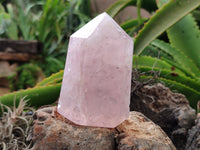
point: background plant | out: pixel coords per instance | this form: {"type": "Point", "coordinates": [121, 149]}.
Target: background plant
{"type": "Point", "coordinates": [26, 76]}
{"type": "Point", "coordinates": [49, 21]}
{"type": "Point", "coordinates": [15, 125]}
{"type": "Point", "coordinates": [177, 60]}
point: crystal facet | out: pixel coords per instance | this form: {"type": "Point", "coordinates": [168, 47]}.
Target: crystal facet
{"type": "Point", "coordinates": [97, 76]}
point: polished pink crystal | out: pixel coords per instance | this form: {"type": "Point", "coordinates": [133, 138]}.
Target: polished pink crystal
{"type": "Point", "coordinates": [97, 77]}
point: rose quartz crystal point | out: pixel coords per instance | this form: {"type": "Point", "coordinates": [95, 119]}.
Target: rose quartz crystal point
{"type": "Point", "coordinates": [97, 76]}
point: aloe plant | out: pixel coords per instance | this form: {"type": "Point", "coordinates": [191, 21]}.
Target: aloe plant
{"type": "Point", "coordinates": [45, 92]}
{"type": "Point", "coordinates": [181, 53]}
{"type": "Point", "coordinates": [171, 76]}
{"type": "Point", "coordinates": [184, 51]}
{"type": "Point", "coordinates": [48, 21]}
{"type": "Point", "coordinates": [165, 17]}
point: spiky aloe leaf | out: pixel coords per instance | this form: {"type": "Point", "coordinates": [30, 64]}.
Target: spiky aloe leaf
{"type": "Point", "coordinates": [185, 36]}
{"type": "Point", "coordinates": [45, 92]}
{"type": "Point", "coordinates": [119, 5]}
{"type": "Point", "coordinates": [184, 70]}
{"type": "Point", "coordinates": [152, 62]}
{"type": "Point", "coordinates": [153, 51]}
{"type": "Point", "coordinates": [115, 8]}
{"type": "Point", "coordinates": [131, 24]}
{"type": "Point", "coordinates": [160, 3]}
{"type": "Point", "coordinates": [178, 56]}
{"type": "Point", "coordinates": [36, 96]}
{"type": "Point", "coordinates": [54, 78]}
{"type": "Point", "coordinates": [174, 76]}
{"type": "Point", "coordinates": [165, 17]}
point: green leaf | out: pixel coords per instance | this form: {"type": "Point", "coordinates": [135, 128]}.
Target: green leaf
{"type": "Point", "coordinates": [153, 51]}
{"type": "Point", "coordinates": [4, 22]}
{"type": "Point", "coordinates": [2, 8]}
{"type": "Point", "coordinates": [37, 96]}
{"type": "Point", "coordinates": [174, 76]}
{"type": "Point", "coordinates": [12, 31]}
{"type": "Point", "coordinates": [115, 8]}
{"type": "Point", "coordinates": [130, 24]}
{"type": "Point", "coordinates": [51, 79]}
{"type": "Point", "coordinates": [178, 66]}
{"type": "Point", "coordinates": [153, 63]}
{"type": "Point", "coordinates": [185, 36]}
{"type": "Point", "coordinates": [162, 20]}
{"type": "Point", "coordinates": [160, 3]}
{"type": "Point", "coordinates": [119, 5]}
{"type": "Point", "coordinates": [178, 56]}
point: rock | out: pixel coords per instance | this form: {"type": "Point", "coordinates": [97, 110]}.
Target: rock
{"type": "Point", "coordinates": [51, 131]}
{"type": "Point", "coordinates": [171, 111]}
{"type": "Point", "coordinates": [193, 142]}
{"type": "Point", "coordinates": [139, 132]}
{"type": "Point", "coordinates": [97, 77]}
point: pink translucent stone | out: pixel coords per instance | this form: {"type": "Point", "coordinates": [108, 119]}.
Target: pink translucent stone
{"type": "Point", "coordinates": [97, 77]}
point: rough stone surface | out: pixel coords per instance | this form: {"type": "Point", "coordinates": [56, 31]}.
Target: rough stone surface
{"type": "Point", "coordinates": [193, 142]}
{"type": "Point", "coordinates": [140, 133]}
{"type": "Point", "coordinates": [51, 131]}
{"type": "Point", "coordinates": [171, 111]}
{"type": "Point", "coordinates": [97, 78]}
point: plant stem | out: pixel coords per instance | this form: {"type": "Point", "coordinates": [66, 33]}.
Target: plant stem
{"type": "Point", "coordinates": [139, 3]}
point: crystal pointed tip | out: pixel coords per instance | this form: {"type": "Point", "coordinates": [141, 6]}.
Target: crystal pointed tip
{"type": "Point", "coordinates": [88, 29]}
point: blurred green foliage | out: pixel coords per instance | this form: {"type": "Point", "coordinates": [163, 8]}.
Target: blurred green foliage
{"type": "Point", "coordinates": [27, 76]}
{"type": "Point", "coordinates": [48, 21]}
